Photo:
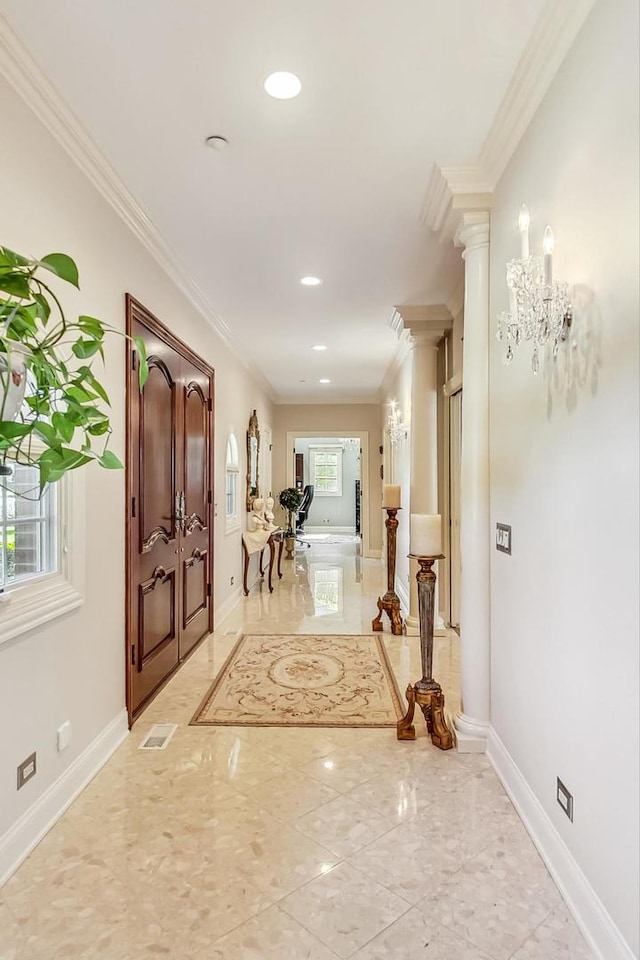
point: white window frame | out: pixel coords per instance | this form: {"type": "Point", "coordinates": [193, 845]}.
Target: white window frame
{"type": "Point", "coordinates": [232, 468]}
{"type": "Point", "coordinates": [38, 600]}
{"type": "Point", "coordinates": [325, 448]}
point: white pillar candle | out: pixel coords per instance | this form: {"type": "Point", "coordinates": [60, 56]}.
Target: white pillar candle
{"type": "Point", "coordinates": [426, 535]}
{"type": "Point", "coordinates": [391, 496]}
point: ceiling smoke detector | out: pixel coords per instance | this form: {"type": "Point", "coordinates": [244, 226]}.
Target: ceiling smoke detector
{"type": "Point", "coordinates": [217, 143]}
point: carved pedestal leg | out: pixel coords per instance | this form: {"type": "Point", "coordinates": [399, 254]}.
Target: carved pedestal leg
{"type": "Point", "coordinates": [441, 736]}
{"type": "Point", "coordinates": [405, 729]}
{"type": "Point", "coordinates": [396, 619]}
{"type": "Point", "coordinates": [376, 624]}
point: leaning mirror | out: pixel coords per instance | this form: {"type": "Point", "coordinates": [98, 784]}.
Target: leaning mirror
{"type": "Point", "coordinates": [253, 453]}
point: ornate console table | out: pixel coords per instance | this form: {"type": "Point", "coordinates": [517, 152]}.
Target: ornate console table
{"type": "Point", "coordinates": [275, 539]}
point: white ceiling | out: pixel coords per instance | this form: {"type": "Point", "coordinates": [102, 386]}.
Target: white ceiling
{"type": "Point", "coordinates": [330, 184]}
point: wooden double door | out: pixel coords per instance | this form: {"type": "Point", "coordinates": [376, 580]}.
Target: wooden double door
{"type": "Point", "coordinates": [169, 529]}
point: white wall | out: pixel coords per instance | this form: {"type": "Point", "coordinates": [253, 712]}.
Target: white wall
{"type": "Point", "coordinates": [74, 669]}
{"type": "Point", "coordinates": [332, 511]}
{"type": "Point", "coordinates": [397, 469]}
{"type": "Point", "coordinates": [564, 467]}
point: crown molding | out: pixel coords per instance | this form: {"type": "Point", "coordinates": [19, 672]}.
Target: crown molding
{"type": "Point", "coordinates": [554, 33]}
{"type": "Point", "coordinates": [31, 84]}
{"type": "Point", "coordinates": [456, 190]}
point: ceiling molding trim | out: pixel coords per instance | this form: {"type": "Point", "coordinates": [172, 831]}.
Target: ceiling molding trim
{"type": "Point", "coordinates": [31, 84]}
{"type": "Point", "coordinates": [548, 45]}
{"type": "Point", "coordinates": [454, 190]}
{"type": "Point", "coordinates": [402, 352]}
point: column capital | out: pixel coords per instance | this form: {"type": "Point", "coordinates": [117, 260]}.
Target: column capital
{"type": "Point", "coordinates": [424, 324]}
{"type": "Point", "coordinates": [473, 230]}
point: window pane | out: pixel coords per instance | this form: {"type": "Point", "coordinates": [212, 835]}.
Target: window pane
{"type": "Point", "coordinates": [231, 493]}
{"type": "Point", "coordinates": [27, 527]}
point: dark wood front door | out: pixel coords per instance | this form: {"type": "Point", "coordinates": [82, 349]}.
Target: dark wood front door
{"type": "Point", "coordinates": [169, 530]}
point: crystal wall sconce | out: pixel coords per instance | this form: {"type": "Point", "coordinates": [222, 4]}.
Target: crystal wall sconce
{"type": "Point", "coordinates": [395, 427]}
{"type": "Point", "coordinates": [539, 307]}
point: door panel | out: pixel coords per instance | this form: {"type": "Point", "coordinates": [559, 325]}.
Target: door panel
{"type": "Point", "coordinates": [157, 465]}
{"type": "Point", "coordinates": [169, 530]}
{"type": "Point", "coordinates": [194, 586]}
{"type": "Point", "coordinates": [197, 508]}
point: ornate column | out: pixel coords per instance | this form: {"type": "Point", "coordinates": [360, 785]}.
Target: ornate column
{"type": "Point", "coordinates": [472, 722]}
{"type": "Point", "coordinates": [426, 327]}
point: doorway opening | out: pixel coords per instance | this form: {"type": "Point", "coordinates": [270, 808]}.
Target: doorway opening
{"type": "Point", "coordinates": [337, 467]}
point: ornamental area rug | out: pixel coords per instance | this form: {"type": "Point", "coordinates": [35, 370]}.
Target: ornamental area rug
{"type": "Point", "coordinates": [304, 681]}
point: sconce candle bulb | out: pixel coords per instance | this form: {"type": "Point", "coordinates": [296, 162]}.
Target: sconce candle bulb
{"type": "Point", "coordinates": [548, 244]}
{"type": "Point", "coordinates": [523, 226]}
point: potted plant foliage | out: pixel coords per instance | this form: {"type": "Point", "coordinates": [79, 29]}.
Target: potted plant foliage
{"type": "Point", "coordinates": [290, 499]}
{"type": "Point", "coordinates": [52, 405]}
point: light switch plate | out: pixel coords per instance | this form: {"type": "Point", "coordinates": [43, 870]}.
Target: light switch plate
{"type": "Point", "coordinates": [503, 538]}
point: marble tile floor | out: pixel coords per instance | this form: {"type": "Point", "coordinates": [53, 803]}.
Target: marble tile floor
{"type": "Point", "coordinates": [290, 843]}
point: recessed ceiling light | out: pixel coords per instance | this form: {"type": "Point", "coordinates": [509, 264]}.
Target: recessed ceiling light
{"type": "Point", "coordinates": [319, 346]}
{"type": "Point", "coordinates": [282, 85]}
{"type": "Point", "coordinates": [324, 380]}
{"type": "Point", "coordinates": [217, 143]}
{"type": "Point", "coordinates": [311, 281]}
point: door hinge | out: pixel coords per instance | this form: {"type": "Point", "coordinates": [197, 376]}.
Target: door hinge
{"type": "Point", "coordinates": [133, 506]}
{"type": "Point", "coordinates": [133, 359]}
{"type": "Point", "coordinates": [133, 654]}
{"type": "Point", "coordinates": [208, 589]}
{"type": "Point", "coordinates": [209, 496]}
{"type": "Point", "coordinates": [209, 404]}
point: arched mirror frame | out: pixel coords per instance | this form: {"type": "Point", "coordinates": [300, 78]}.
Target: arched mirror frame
{"type": "Point", "coordinates": [253, 460]}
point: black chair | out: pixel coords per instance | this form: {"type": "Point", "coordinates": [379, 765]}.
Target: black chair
{"type": "Point", "coordinates": [303, 513]}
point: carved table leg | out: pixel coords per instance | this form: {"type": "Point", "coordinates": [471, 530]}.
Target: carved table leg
{"type": "Point", "coordinates": [280, 549]}
{"type": "Point", "coordinates": [272, 556]}
{"type": "Point", "coordinates": [261, 563]}
{"type": "Point", "coordinates": [405, 729]}
{"type": "Point", "coordinates": [246, 570]}
{"type": "Point", "coordinates": [376, 625]}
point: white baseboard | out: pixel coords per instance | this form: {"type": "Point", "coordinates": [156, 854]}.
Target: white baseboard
{"type": "Point", "coordinates": [20, 839]}
{"type": "Point", "coordinates": [403, 595]}
{"type": "Point", "coordinates": [327, 528]}
{"type": "Point", "coordinates": [229, 605]}
{"type": "Point", "coordinates": [597, 926]}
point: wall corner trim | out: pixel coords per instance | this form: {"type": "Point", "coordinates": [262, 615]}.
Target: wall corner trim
{"type": "Point", "coordinates": [596, 924]}
{"type": "Point", "coordinates": [20, 839]}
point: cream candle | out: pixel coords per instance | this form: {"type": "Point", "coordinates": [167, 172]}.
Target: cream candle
{"type": "Point", "coordinates": [548, 243]}
{"type": "Point", "coordinates": [391, 496]}
{"type": "Point", "coordinates": [426, 535]}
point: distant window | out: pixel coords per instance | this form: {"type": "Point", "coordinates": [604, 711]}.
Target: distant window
{"type": "Point", "coordinates": [27, 528]}
{"type": "Point", "coordinates": [232, 475]}
{"type": "Point", "coordinates": [326, 471]}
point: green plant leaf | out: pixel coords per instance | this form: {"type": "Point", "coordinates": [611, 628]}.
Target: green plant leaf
{"type": "Point", "coordinates": [143, 365]}
{"type": "Point", "coordinates": [11, 429]}
{"type": "Point", "coordinates": [110, 461]}
{"type": "Point", "coordinates": [83, 349]}
{"type": "Point", "coordinates": [15, 284]}
{"type": "Point", "coordinates": [44, 307]}
{"type": "Point", "coordinates": [79, 394]}
{"type": "Point", "coordinates": [48, 434]}
{"type": "Point", "coordinates": [64, 426]}
{"type": "Point", "coordinates": [9, 258]}
{"type": "Point", "coordinates": [99, 389]}
{"type": "Point", "coordinates": [98, 429]}
{"type": "Point", "coordinates": [63, 266]}
{"type": "Point", "coordinates": [92, 327]}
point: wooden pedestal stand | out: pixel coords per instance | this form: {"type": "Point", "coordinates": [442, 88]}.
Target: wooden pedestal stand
{"type": "Point", "coordinates": [426, 692]}
{"type": "Point", "coordinates": [390, 602]}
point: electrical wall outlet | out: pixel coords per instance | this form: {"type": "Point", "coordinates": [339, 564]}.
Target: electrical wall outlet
{"type": "Point", "coordinates": [26, 770]}
{"type": "Point", "coordinates": [564, 798]}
